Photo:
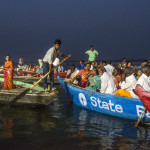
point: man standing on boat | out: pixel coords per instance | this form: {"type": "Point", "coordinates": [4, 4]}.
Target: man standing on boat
{"type": "Point", "coordinates": [93, 54]}
{"type": "Point", "coordinates": [48, 60]}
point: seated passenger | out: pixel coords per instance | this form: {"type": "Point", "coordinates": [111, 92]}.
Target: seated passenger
{"type": "Point", "coordinates": [84, 73]}
{"type": "Point", "coordinates": [127, 84]}
{"type": "Point", "coordinates": [92, 65]}
{"type": "Point", "coordinates": [144, 78]}
{"type": "Point", "coordinates": [96, 65]}
{"type": "Point", "coordinates": [138, 74]}
{"type": "Point", "coordinates": [117, 78]}
{"type": "Point", "coordinates": [94, 80]}
{"type": "Point", "coordinates": [129, 64]}
{"type": "Point", "coordinates": [119, 70]}
{"type": "Point", "coordinates": [71, 73]}
{"type": "Point", "coordinates": [107, 82]}
{"type": "Point", "coordinates": [109, 68]}
{"type": "Point", "coordinates": [81, 65]}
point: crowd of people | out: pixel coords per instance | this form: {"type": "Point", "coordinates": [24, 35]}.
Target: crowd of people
{"type": "Point", "coordinates": [100, 77]}
{"type": "Point", "coordinates": [105, 78]}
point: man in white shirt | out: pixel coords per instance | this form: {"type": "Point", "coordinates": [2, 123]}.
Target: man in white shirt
{"type": "Point", "coordinates": [71, 73]}
{"type": "Point", "coordinates": [127, 84]}
{"type": "Point", "coordinates": [48, 60]}
{"type": "Point", "coordinates": [109, 68]}
{"type": "Point", "coordinates": [108, 85]}
{"type": "Point", "coordinates": [144, 79]}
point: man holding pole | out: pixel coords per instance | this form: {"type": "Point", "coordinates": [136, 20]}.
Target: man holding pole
{"type": "Point", "coordinates": [48, 60]}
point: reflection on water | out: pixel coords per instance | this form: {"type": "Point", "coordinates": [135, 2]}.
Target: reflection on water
{"type": "Point", "coordinates": [63, 125]}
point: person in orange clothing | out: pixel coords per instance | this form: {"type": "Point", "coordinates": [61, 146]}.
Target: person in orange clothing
{"type": "Point", "coordinates": [8, 73]}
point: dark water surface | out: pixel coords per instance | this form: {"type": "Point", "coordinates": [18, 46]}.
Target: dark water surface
{"type": "Point", "coordinates": [63, 126]}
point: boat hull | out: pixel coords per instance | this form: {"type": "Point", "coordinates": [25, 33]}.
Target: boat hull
{"type": "Point", "coordinates": [33, 99]}
{"type": "Point", "coordinates": [124, 107]}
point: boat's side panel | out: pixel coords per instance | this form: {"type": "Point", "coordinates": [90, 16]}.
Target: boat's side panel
{"type": "Point", "coordinates": [63, 84]}
{"type": "Point", "coordinates": [28, 99]}
{"type": "Point", "coordinates": [109, 104]}
{"type": "Point", "coordinates": [123, 107]}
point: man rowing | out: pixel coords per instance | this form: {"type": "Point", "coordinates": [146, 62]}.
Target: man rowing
{"type": "Point", "coordinates": [48, 60]}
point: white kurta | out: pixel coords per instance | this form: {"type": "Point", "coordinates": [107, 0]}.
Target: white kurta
{"type": "Point", "coordinates": [72, 75]}
{"type": "Point", "coordinates": [144, 81]}
{"type": "Point", "coordinates": [109, 69]}
{"type": "Point", "coordinates": [129, 85]}
{"type": "Point", "coordinates": [108, 85]}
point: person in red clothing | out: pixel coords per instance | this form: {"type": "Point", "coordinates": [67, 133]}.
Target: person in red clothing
{"type": "Point", "coordinates": [8, 73]}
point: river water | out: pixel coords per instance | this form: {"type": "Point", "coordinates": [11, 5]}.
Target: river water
{"type": "Point", "coordinates": [63, 126]}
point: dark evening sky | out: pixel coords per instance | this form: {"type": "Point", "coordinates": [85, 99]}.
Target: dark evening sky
{"type": "Point", "coordinates": [117, 28]}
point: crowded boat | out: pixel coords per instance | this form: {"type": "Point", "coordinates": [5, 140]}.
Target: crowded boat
{"type": "Point", "coordinates": [105, 78]}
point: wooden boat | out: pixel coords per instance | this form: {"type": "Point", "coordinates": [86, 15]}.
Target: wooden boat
{"type": "Point", "coordinates": [34, 97]}
{"type": "Point", "coordinates": [124, 107]}
{"type": "Point", "coordinates": [30, 80]}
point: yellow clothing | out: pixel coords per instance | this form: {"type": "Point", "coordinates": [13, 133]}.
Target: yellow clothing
{"type": "Point", "coordinates": [124, 93]}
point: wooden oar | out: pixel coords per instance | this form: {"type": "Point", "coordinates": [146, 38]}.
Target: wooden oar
{"type": "Point", "coordinates": [28, 89]}
{"type": "Point", "coordinates": [137, 123]}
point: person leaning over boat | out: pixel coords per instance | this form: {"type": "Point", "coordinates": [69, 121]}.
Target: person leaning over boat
{"type": "Point", "coordinates": [71, 73]}
{"type": "Point", "coordinates": [94, 81]}
{"type": "Point", "coordinates": [48, 60]}
{"type": "Point", "coordinates": [144, 78]}
{"type": "Point", "coordinates": [93, 54]}
{"type": "Point", "coordinates": [127, 84]}
{"type": "Point", "coordinates": [108, 85]}
{"type": "Point", "coordinates": [8, 73]}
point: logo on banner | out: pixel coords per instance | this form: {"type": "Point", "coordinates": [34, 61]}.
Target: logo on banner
{"type": "Point", "coordinates": [82, 99]}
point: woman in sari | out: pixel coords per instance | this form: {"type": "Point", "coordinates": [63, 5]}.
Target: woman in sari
{"type": "Point", "coordinates": [8, 73]}
{"type": "Point", "coordinates": [84, 73]}
{"type": "Point", "coordinates": [94, 81]}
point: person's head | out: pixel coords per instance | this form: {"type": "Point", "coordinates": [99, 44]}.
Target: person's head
{"type": "Point", "coordinates": [101, 70]}
{"type": "Point", "coordinates": [115, 72]}
{"type": "Point", "coordinates": [129, 64]}
{"type": "Point", "coordinates": [124, 59]}
{"type": "Point", "coordinates": [104, 63]}
{"type": "Point", "coordinates": [57, 44]}
{"type": "Point", "coordinates": [128, 71]}
{"type": "Point", "coordinates": [81, 62]}
{"type": "Point", "coordinates": [87, 66]}
{"type": "Point", "coordinates": [95, 71]}
{"type": "Point", "coordinates": [92, 47]}
{"type": "Point", "coordinates": [96, 64]}
{"type": "Point", "coordinates": [119, 66]}
{"type": "Point", "coordinates": [72, 67]}
{"type": "Point", "coordinates": [145, 62]}
{"type": "Point", "coordinates": [139, 72]}
{"type": "Point", "coordinates": [7, 57]}
{"type": "Point", "coordinates": [146, 70]}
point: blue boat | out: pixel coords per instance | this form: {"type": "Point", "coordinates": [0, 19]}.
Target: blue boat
{"type": "Point", "coordinates": [124, 107]}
